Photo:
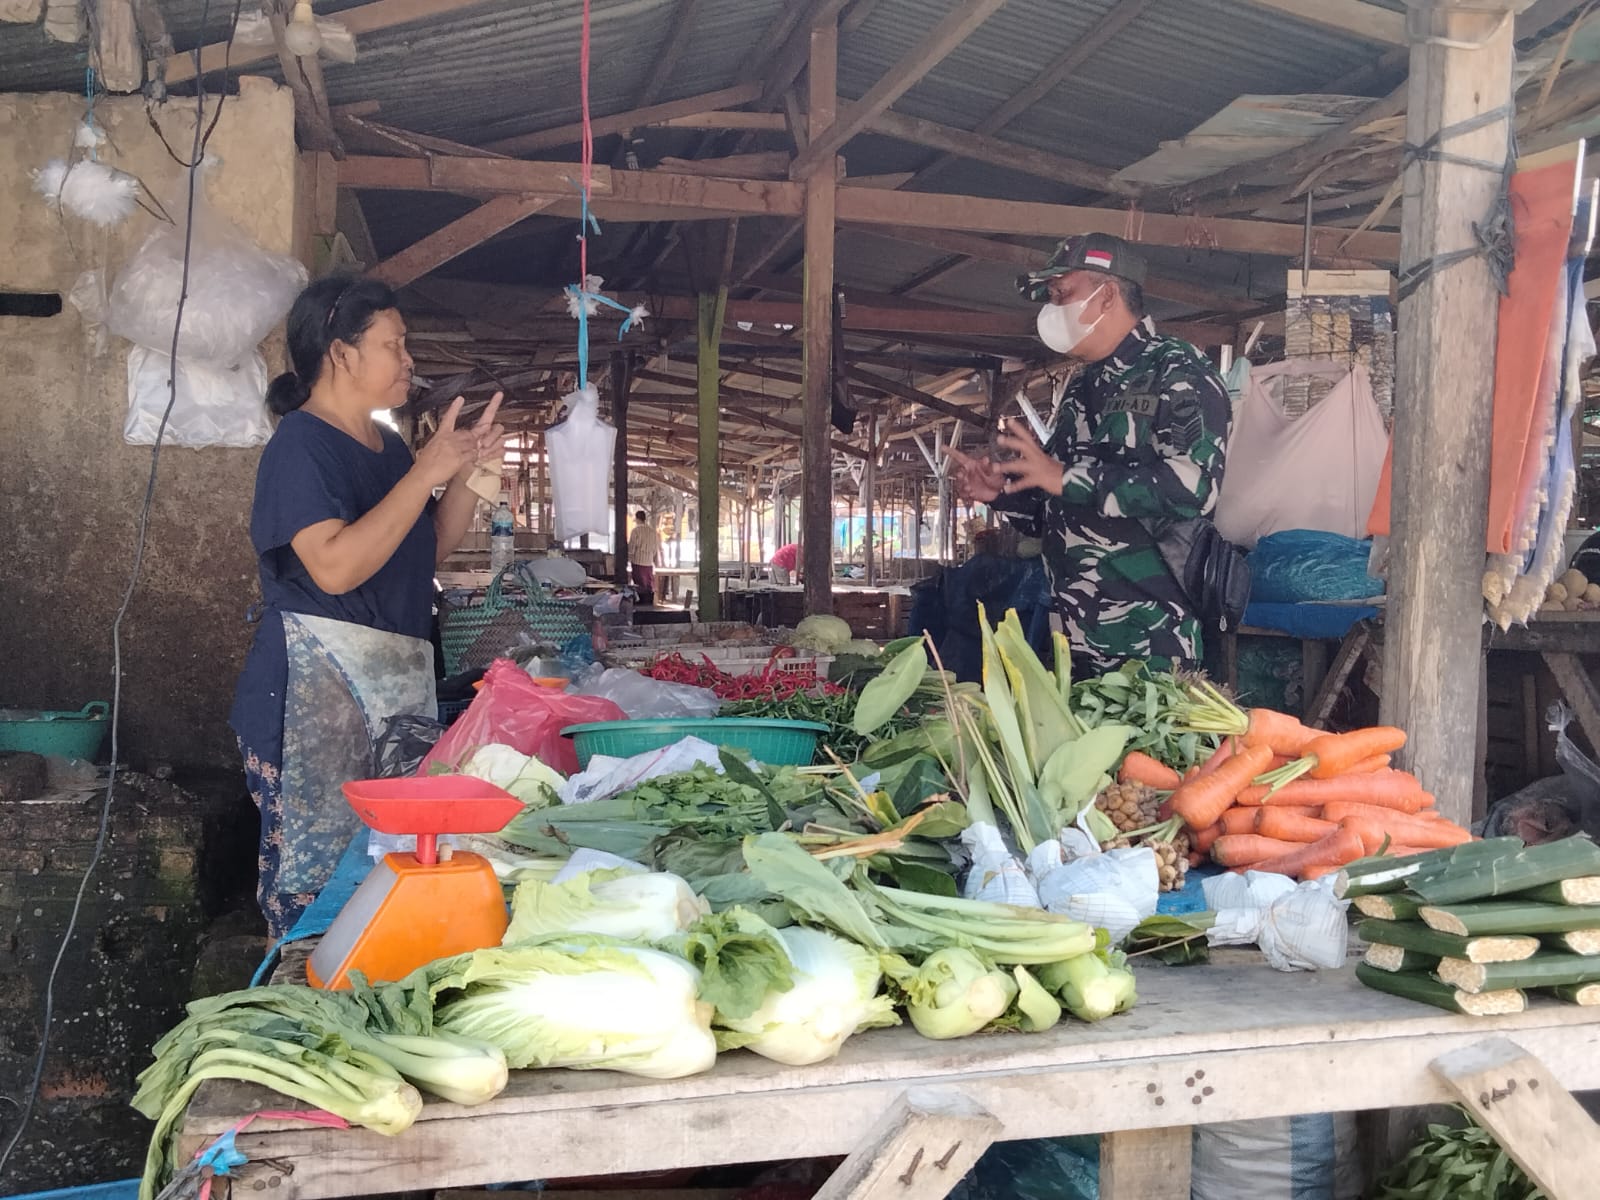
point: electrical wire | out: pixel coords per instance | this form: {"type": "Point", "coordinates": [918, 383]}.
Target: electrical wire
{"type": "Point", "coordinates": [202, 135]}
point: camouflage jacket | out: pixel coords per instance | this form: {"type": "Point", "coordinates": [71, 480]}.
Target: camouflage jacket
{"type": "Point", "coordinates": [1142, 435]}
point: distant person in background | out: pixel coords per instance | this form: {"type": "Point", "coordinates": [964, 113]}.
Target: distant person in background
{"type": "Point", "coordinates": [785, 561]}
{"type": "Point", "coordinates": [644, 552]}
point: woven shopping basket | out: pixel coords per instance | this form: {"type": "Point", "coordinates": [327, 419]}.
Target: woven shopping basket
{"type": "Point", "coordinates": [475, 635]}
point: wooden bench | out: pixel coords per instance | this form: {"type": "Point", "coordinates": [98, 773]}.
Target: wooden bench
{"type": "Point", "coordinates": [1204, 1044]}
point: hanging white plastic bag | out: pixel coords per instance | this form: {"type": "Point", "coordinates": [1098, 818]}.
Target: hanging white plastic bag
{"type": "Point", "coordinates": [1316, 471]}
{"type": "Point", "coordinates": [579, 450]}
{"type": "Point", "coordinates": [1298, 927]}
{"type": "Point", "coordinates": [215, 405]}
{"type": "Point", "coordinates": [995, 875]}
{"type": "Point", "coordinates": [237, 292]}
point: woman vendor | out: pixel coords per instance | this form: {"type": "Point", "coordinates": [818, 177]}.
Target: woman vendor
{"type": "Point", "coordinates": [348, 530]}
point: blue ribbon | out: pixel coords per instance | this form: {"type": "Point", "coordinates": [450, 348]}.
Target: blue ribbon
{"type": "Point", "coordinates": [222, 1155]}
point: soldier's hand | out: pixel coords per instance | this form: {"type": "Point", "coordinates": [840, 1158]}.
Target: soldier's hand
{"type": "Point", "coordinates": [975, 479]}
{"type": "Point", "coordinates": [1032, 468]}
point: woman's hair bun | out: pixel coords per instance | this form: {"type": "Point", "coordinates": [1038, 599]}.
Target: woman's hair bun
{"type": "Point", "coordinates": [286, 393]}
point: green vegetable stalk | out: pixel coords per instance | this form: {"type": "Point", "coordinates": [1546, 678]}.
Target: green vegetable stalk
{"type": "Point", "coordinates": [955, 993]}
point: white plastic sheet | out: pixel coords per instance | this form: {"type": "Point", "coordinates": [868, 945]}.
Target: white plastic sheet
{"type": "Point", "coordinates": [580, 466]}
{"type": "Point", "coordinates": [1317, 471]}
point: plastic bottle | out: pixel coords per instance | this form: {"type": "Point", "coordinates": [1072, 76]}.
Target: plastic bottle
{"type": "Point", "coordinates": [502, 535]}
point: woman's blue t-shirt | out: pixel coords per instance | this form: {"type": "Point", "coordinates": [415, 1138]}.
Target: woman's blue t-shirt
{"type": "Point", "coordinates": [312, 471]}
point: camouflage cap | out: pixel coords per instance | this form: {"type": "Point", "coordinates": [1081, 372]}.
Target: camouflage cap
{"type": "Point", "coordinates": [1084, 252]}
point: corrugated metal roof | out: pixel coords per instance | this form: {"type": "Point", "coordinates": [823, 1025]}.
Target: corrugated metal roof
{"type": "Point", "coordinates": [505, 67]}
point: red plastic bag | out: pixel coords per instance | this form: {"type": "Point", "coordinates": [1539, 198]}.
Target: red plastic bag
{"type": "Point", "coordinates": [512, 710]}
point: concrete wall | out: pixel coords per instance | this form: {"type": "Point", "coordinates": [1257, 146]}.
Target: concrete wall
{"type": "Point", "coordinates": [70, 488]}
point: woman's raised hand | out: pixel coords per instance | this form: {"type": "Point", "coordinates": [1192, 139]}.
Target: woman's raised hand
{"type": "Point", "coordinates": [450, 451]}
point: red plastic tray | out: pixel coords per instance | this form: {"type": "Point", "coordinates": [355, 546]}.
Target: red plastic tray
{"type": "Point", "coordinates": [432, 804]}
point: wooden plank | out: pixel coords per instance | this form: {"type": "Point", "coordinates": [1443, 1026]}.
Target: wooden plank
{"type": "Point", "coordinates": [816, 330]}
{"type": "Point", "coordinates": [981, 215]}
{"type": "Point", "coordinates": [893, 387]}
{"type": "Point", "coordinates": [1356, 18]}
{"type": "Point", "coordinates": [928, 53]}
{"type": "Point", "coordinates": [1146, 1164]}
{"type": "Point", "coordinates": [1117, 18]}
{"type": "Point", "coordinates": [1445, 372]}
{"type": "Point", "coordinates": [119, 57]}
{"type": "Point", "coordinates": [919, 1150]}
{"type": "Point", "coordinates": [366, 18]}
{"type": "Point", "coordinates": [794, 53]}
{"type": "Point", "coordinates": [666, 59]}
{"type": "Point", "coordinates": [456, 238]}
{"type": "Point", "coordinates": [988, 149]}
{"type": "Point", "coordinates": [621, 384]}
{"type": "Point", "coordinates": [1536, 1121]}
{"type": "Point", "coordinates": [710, 312]}
{"type": "Point", "coordinates": [562, 135]}
{"type": "Point", "coordinates": [1319, 707]}
{"type": "Point", "coordinates": [1577, 685]}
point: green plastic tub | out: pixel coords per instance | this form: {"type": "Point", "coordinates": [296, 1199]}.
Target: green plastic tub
{"type": "Point", "coordinates": [63, 734]}
{"type": "Point", "coordinates": [775, 743]}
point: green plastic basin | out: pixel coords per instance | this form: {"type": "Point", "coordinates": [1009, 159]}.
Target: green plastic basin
{"type": "Point", "coordinates": [775, 743]}
{"type": "Point", "coordinates": [64, 734]}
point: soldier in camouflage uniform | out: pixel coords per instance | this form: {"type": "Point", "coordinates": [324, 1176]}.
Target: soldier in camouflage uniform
{"type": "Point", "coordinates": [1139, 440]}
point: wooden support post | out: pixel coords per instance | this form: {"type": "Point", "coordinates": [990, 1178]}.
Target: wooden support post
{"type": "Point", "coordinates": [1536, 1121]}
{"type": "Point", "coordinates": [544, 487]}
{"type": "Point", "coordinates": [1146, 1164]}
{"type": "Point", "coordinates": [919, 1150]}
{"type": "Point", "coordinates": [621, 381]}
{"type": "Point", "coordinates": [710, 459]}
{"type": "Point", "coordinates": [816, 453]}
{"type": "Point", "coordinates": [1461, 60]}
{"type": "Point", "coordinates": [869, 501]}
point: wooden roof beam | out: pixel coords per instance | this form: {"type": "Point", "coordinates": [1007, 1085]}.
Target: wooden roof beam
{"type": "Point", "coordinates": [790, 58]}
{"type": "Point", "coordinates": [667, 57]}
{"type": "Point", "coordinates": [1354, 18]}
{"type": "Point", "coordinates": [456, 238]}
{"type": "Point", "coordinates": [928, 53]}
{"type": "Point", "coordinates": [366, 18]}
{"type": "Point", "coordinates": [561, 135]}
{"type": "Point", "coordinates": [715, 198]}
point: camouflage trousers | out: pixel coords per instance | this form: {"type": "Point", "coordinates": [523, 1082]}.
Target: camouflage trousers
{"type": "Point", "coordinates": [1105, 632]}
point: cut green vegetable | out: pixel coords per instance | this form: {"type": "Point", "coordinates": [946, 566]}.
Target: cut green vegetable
{"type": "Point", "coordinates": [1413, 935]}
{"type": "Point", "coordinates": [1425, 989]}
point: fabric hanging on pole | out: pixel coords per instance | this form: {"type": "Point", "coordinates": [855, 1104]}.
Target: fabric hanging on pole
{"type": "Point", "coordinates": [1542, 200]}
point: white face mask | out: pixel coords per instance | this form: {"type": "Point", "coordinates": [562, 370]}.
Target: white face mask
{"type": "Point", "coordinates": [1062, 327]}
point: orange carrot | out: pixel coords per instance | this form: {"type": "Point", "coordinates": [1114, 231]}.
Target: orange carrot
{"type": "Point", "coordinates": [1196, 858]}
{"type": "Point", "coordinates": [1246, 849]}
{"type": "Point", "coordinates": [1283, 734]}
{"type": "Point", "coordinates": [1339, 847]}
{"type": "Point", "coordinates": [1388, 788]}
{"type": "Point", "coordinates": [1201, 839]}
{"type": "Point", "coordinates": [1434, 835]}
{"type": "Point", "coordinates": [1238, 820]}
{"type": "Point", "coordinates": [1139, 767]}
{"type": "Point", "coordinates": [1368, 765]}
{"type": "Point", "coordinates": [1319, 872]}
{"type": "Point", "coordinates": [1201, 802]}
{"type": "Point", "coordinates": [1337, 753]}
{"type": "Point", "coordinates": [1338, 810]}
{"type": "Point", "coordinates": [1289, 827]}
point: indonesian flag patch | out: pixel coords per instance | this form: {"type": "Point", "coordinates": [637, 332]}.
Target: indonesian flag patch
{"type": "Point", "coordinates": [1097, 258]}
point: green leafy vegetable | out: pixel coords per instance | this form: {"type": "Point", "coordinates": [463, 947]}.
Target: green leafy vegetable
{"type": "Point", "coordinates": [740, 958]}
{"type": "Point", "coordinates": [887, 694]}
{"type": "Point", "coordinates": [835, 993]}
{"type": "Point", "coordinates": [954, 993]}
{"type": "Point", "coordinates": [579, 1001]}
{"type": "Point", "coordinates": [632, 905]}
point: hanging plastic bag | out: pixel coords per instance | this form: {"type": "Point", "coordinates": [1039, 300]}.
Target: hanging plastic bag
{"type": "Point", "coordinates": [214, 405]}
{"type": "Point", "coordinates": [1316, 471]}
{"type": "Point", "coordinates": [579, 450]}
{"type": "Point", "coordinates": [512, 710]}
{"type": "Point", "coordinates": [403, 743]}
{"type": "Point", "coordinates": [237, 292]}
{"type": "Point", "coordinates": [643, 698]}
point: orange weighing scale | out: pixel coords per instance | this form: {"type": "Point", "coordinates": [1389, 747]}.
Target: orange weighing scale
{"type": "Point", "coordinates": [418, 906]}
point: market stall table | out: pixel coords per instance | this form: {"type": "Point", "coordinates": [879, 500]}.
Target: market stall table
{"type": "Point", "coordinates": [1204, 1044]}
